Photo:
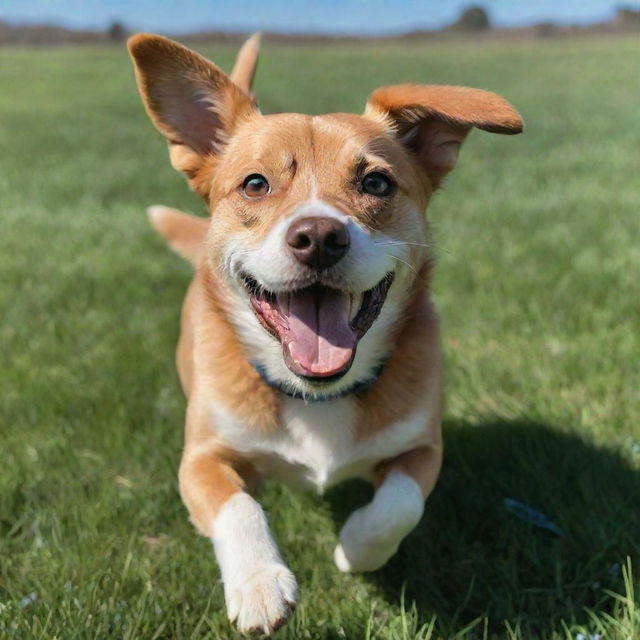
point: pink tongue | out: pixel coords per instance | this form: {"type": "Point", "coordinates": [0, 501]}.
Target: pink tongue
{"type": "Point", "coordinates": [320, 341]}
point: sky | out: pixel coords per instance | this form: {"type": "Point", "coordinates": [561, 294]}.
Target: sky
{"type": "Point", "coordinates": [302, 16]}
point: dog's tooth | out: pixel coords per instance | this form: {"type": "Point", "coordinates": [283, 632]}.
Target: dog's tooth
{"type": "Point", "coordinates": [356, 303]}
{"type": "Point", "coordinates": [283, 300]}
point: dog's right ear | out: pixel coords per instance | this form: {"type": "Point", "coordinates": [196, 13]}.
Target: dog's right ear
{"type": "Point", "coordinates": [190, 100]}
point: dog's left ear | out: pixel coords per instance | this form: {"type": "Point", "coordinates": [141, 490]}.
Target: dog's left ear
{"type": "Point", "coordinates": [433, 120]}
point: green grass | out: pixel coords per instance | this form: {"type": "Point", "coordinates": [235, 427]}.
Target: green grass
{"type": "Point", "coordinates": [537, 282]}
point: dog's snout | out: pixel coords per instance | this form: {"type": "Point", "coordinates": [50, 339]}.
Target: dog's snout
{"type": "Point", "coordinates": [318, 242]}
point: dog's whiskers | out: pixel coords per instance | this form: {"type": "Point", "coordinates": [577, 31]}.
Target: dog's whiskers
{"type": "Point", "coordinates": [403, 262]}
{"type": "Point", "coordinates": [417, 244]}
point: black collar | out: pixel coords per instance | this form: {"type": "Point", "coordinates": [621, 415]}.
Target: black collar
{"type": "Point", "coordinates": [356, 387]}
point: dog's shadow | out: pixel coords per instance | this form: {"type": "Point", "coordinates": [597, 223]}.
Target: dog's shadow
{"type": "Point", "coordinates": [470, 557]}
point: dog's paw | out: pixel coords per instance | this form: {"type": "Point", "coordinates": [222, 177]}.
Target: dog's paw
{"type": "Point", "coordinates": [372, 534]}
{"type": "Point", "coordinates": [367, 544]}
{"type": "Point", "coordinates": [360, 557]}
{"type": "Point", "coordinates": [264, 601]}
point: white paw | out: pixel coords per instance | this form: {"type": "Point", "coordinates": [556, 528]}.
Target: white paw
{"type": "Point", "coordinates": [264, 601]}
{"type": "Point", "coordinates": [358, 557]}
{"type": "Point", "coordinates": [373, 533]}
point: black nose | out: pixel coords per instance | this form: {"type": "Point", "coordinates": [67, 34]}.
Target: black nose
{"type": "Point", "coordinates": [318, 242]}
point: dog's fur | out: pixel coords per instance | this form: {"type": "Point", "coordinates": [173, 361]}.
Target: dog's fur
{"type": "Point", "coordinates": [249, 410]}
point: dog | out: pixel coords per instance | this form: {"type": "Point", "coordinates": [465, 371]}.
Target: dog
{"type": "Point", "coordinates": [309, 348]}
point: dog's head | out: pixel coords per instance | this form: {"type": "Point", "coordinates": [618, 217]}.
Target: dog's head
{"type": "Point", "coordinates": [318, 223]}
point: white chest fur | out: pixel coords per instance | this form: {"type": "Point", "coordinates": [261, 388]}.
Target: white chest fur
{"type": "Point", "coordinates": [316, 444]}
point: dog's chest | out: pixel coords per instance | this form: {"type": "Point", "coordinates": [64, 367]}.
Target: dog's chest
{"type": "Point", "coordinates": [317, 445]}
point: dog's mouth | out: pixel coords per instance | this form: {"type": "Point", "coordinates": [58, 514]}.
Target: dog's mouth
{"type": "Point", "coordinates": [317, 326]}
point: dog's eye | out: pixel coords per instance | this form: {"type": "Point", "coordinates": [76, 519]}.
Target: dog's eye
{"type": "Point", "coordinates": [377, 184]}
{"type": "Point", "coordinates": [255, 186]}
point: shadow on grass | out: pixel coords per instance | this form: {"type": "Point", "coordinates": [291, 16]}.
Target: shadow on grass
{"type": "Point", "coordinates": [470, 558]}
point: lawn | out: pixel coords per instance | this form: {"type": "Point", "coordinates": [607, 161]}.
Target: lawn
{"type": "Point", "coordinates": [538, 266]}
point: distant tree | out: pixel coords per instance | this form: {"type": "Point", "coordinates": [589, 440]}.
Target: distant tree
{"type": "Point", "coordinates": [473, 19]}
{"type": "Point", "coordinates": [117, 32]}
{"type": "Point", "coordinates": [628, 17]}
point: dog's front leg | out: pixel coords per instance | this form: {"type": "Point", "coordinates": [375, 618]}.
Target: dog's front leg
{"type": "Point", "coordinates": [260, 590]}
{"type": "Point", "coordinates": [373, 533]}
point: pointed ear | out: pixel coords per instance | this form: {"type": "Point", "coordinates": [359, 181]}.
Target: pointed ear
{"type": "Point", "coordinates": [433, 120]}
{"type": "Point", "coordinates": [190, 100]}
{"type": "Point", "coordinates": [245, 65]}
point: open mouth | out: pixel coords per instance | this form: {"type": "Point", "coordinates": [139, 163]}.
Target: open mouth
{"type": "Point", "coordinates": [317, 326]}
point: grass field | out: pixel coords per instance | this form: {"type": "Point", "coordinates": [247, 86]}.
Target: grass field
{"type": "Point", "coordinates": [539, 262]}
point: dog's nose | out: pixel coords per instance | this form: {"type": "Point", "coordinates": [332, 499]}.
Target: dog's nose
{"type": "Point", "coordinates": [318, 242]}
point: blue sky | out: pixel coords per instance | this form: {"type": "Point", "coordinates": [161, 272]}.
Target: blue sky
{"type": "Point", "coordinates": [331, 16]}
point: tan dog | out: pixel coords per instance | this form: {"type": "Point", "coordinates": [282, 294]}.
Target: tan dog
{"type": "Point", "coordinates": [309, 346]}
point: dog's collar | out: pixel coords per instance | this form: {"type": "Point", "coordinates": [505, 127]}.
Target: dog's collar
{"type": "Point", "coordinates": [356, 387]}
